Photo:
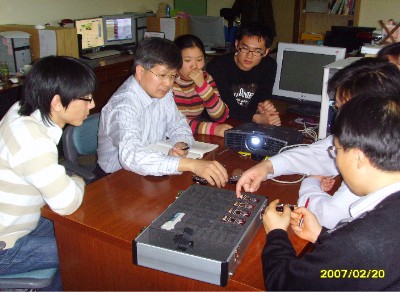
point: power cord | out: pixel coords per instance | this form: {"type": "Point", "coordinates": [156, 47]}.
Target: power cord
{"type": "Point", "coordinates": [285, 181]}
{"type": "Point", "coordinates": [309, 130]}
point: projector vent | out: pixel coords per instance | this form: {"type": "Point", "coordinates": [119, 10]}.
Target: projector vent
{"type": "Point", "coordinates": [235, 141]}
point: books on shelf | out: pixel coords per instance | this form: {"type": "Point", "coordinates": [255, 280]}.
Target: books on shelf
{"type": "Point", "coordinates": [342, 7]}
{"type": "Point", "coordinates": [197, 150]}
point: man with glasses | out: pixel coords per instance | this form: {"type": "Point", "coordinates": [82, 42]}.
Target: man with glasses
{"type": "Point", "coordinates": [57, 91]}
{"type": "Point", "coordinates": [368, 75]}
{"type": "Point", "coordinates": [361, 252]}
{"type": "Point", "coordinates": [143, 112]}
{"type": "Point", "coordinates": [245, 78]}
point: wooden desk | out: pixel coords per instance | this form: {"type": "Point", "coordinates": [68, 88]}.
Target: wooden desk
{"type": "Point", "coordinates": [95, 243]}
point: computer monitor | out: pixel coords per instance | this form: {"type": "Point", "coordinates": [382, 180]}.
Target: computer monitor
{"type": "Point", "coordinates": [91, 30]}
{"type": "Point", "coordinates": [327, 114]}
{"type": "Point", "coordinates": [210, 29]}
{"type": "Point", "coordinates": [119, 29]}
{"type": "Point", "coordinates": [299, 76]}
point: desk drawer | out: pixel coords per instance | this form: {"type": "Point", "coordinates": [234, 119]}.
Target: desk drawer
{"type": "Point", "coordinates": [118, 72]}
{"type": "Point", "coordinates": [123, 70]}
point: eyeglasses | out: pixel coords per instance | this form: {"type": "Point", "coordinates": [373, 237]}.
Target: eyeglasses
{"type": "Point", "coordinates": [333, 151]}
{"type": "Point", "coordinates": [89, 98]}
{"type": "Point", "coordinates": [255, 53]}
{"type": "Point", "coordinates": [163, 76]}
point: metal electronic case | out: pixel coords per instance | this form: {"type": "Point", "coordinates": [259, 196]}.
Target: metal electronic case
{"type": "Point", "coordinates": [203, 235]}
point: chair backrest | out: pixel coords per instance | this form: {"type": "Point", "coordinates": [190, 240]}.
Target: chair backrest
{"type": "Point", "coordinates": [228, 14]}
{"type": "Point", "coordinates": [81, 140]}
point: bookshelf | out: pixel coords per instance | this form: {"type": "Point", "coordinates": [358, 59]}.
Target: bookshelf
{"type": "Point", "coordinates": [319, 23]}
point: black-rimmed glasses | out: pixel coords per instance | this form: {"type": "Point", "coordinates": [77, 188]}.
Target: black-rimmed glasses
{"type": "Point", "coordinates": [255, 53]}
{"type": "Point", "coordinates": [88, 98]}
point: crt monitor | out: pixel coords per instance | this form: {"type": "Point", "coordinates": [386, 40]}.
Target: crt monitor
{"type": "Point", "coordinates": [119, 29]}
{"type": "Point", "coordinates": [210, 29]}
{"type": "Point", "coordinates": [299, 76]}
{"type": "Point", "coordinates": [91, 30]}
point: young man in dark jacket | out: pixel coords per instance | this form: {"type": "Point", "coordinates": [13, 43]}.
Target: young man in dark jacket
{"type": "Point", "coordinates": [245, 78]}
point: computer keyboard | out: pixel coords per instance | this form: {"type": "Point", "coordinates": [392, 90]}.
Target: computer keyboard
{"type": "Point", "coordinates": [101, 54]}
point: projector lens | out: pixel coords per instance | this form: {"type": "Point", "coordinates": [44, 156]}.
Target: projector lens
{"type": "Point", "coordinates": [254, 142]}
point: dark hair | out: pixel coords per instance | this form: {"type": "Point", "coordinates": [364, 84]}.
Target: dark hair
{"type": "Point", "coordinates": [365, 76]}
{"type": "Point", "coordinates": [187, 41]}
{"type": "Point", "coordinates": [254, 28]}
{"type": "Point", "coordinates": [371, 124]}
{"type": "Point", "coordinates": [157, 51]}
{"type": "Point", "coordinates": [389, 50]}
{"type": "Point", "coordinates": [66, 76]}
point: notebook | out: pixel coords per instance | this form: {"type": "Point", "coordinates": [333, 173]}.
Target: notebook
{"type": "Point", "coordinates": [197, 150]}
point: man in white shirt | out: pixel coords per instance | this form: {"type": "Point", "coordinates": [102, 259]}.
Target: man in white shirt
{"type": "Point", "coordinates": [57, 91]}
{"type": "Point", "coordinates": [142, 112]}
{"type": "Point", "coordinates": [361, 252]}
{"type": "Point", "coordinates": [364, 76]}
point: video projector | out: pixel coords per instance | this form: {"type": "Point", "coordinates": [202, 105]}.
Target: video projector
{"type": "Point", "coordinates": [261, 140]}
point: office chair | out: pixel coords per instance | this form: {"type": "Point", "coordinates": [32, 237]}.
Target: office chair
{"type": "Point", "coordinates": [79, 147]}
{"type": "Point", "coordinates": [30, 280]}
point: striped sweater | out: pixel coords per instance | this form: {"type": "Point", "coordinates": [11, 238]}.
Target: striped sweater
{"type": "Point", "coordinates": [192, 100]}
{"type": "Point", "coordinates": [30, 175]}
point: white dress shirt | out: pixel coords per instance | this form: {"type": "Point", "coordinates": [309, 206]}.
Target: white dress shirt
{"type": "Point", "coordinates": [314, 159]}
{"type": "Point", "coordinates": [130, 122]}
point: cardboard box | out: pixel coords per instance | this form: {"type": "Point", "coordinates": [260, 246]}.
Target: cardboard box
{"type": "Point", "coordinates": [67, 41]}
{"type": "Point", "coordinates": [182, 26]}
{"type": "Point", "coordinates": [203, 235]}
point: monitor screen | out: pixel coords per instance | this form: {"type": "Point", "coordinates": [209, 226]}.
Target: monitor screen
{"type": "Point", "coordinates": [210, 29]}
{"type": "Point", "coordinates": [119, 29]}
{"type": "Point", "coordinates": [91, 30]}
{"type": "Point", "coordinates": [308, 79]}
{"type": "Point", "coordinates": [300, 70]}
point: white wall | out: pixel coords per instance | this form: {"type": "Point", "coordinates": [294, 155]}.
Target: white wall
{"type": "Point", "coordinates": [52, 11]}
{"type": "Point", "coordinates": [371, 11]}
{"type": "Point", "coordinates": [49, 11]}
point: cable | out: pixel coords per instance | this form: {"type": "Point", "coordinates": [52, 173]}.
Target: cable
{"type": "Point", "coordinates": [290, 182]}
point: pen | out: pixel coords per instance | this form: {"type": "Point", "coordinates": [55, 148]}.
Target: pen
{"type": "Point", "coordinates": [306, 206]}
{"type": "Point", "coordinates": [185, 146]}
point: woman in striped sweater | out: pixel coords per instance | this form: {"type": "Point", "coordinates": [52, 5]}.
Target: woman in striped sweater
{"type": "Point", "coordinates": [195, 92]}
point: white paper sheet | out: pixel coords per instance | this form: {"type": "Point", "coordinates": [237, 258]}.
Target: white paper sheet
{"type": "Point", "coordinates": [47, 42]}
{"type": "Point", "coordinates": [167, 25]}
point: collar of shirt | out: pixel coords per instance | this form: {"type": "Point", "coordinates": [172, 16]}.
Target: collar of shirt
{"type": "Point", "coordinates": [53, 131]}
{"type": "Point", "coordinates": [369, 202]}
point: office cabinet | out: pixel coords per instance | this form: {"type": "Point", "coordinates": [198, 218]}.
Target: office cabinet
{"type": "Point", "coordinates": [110, 73]}
{"type": "Point", "coordinates": [182, 25]}
{"type": "Point", "coordinates": [319, 23]}
{"type": "Point", "coordinates": [67, 41]}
